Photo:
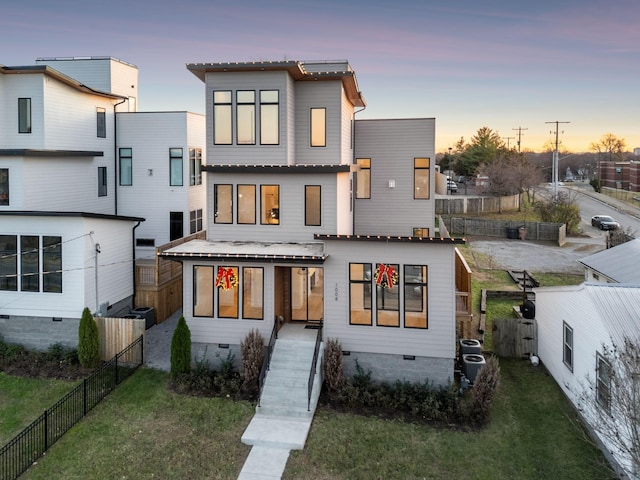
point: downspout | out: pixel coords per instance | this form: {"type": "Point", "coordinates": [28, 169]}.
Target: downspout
{"type": "Point", "coordinates": [133, 242]}
{"type": "Point", "coordinates": [115, 154]}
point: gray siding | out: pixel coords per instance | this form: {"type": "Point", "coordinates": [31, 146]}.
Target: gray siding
{"type": "Point", "coordinates": [392, 145]}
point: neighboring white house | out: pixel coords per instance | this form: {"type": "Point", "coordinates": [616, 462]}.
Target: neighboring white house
{"type": "Point", "coordinates": [575, 323]}
{"type": "Point", "coordinates": [618, 264]}
{"type": "Point", "coordinates": [315, 216]}
{"type": "Point", "coordinates": [73, 195]}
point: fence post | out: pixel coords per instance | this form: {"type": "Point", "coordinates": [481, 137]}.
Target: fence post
{"type": "Point", "coordinates": [46, 431]}
{"type": "Point", "coordinates": [116, 362]}
{"type": "Point", "coordinates": [84, 397]}
{"type": "Point", "coordinates": [141, 339]}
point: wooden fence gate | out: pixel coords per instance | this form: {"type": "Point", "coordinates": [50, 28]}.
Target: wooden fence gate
{"type": "Point", "coordinates": [515, 337]}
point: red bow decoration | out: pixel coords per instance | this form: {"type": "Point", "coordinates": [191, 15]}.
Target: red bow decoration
{"type": "Point", "coordinates": [386, 275]}
{"type": "Point", "coordinates": [227, 278]}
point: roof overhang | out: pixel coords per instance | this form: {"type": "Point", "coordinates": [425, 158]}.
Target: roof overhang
{"type": "Point", "coordinates": [276, 168]}
{"type": "Point", "coordinates": [38, 213]}
{"type": "Point", "coordinates": [260, 252]}
{"type": "Point", "coordinates": [392, 239]}
{"type": "Point", "coordinates": [31, 152]}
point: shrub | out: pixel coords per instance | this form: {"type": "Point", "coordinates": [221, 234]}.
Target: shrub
{"type": "Point", "coordinates": [181, 348]}
{"type": "Point", "coordinates": [88, 341]}
{"type": "Point", "coordinates": [226, 366]}
{"type": "Point", "coordinates": [252, 349]}
{"type": "Point", "coordinates": [484, 388]}
{"type": "Point", "coordinates": [333, 367]}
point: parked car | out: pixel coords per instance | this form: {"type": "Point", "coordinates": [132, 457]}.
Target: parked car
{"type": "Point", "coordinates": [452, 186]}
{"type": "Point", "coordinates": [604, 222]}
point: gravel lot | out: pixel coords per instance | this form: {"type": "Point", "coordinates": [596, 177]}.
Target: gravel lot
{"type": "Point", "coordinates": [543, 257]}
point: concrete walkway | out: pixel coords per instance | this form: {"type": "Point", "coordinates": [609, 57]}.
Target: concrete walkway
{"type": "Point", "coordinates": [157, 343]}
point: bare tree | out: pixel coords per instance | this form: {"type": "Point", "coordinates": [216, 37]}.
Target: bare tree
{"type": "Point", "coordinates": [609, 147]}
{"type": "Point", "coordinates": [610, 403]}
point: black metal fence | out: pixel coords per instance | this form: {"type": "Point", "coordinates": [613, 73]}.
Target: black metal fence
{"type": "Point", "coordinates": [30, 444]}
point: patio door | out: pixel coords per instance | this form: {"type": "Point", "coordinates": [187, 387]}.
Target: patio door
{"type": "Point", "coordinates": [299, 294]}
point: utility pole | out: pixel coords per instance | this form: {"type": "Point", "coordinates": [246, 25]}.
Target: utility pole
{"type": "Point", "coordinates": [507, 139]}
{"type": "Point", "coordinates": [554, 162]}
{"type": "Point", "coordinates": [519, 129]}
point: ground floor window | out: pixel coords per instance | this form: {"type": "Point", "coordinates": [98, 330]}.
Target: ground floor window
{"type": "Point", "coordinates": [195, 221]}
{"type": "Point", "coordinates": [35, 267]}
{"type": "Point", "coordinates": [567, 351]}
{"type": "Point", "coordinates": [415, 296]}
{"type": "Point", "coordinates": [387, 295]}
{"type": "Point", "coordinates": [4, 186]}
{"type": "Point", "coordinates": [360, 294]}
{"type": "Point", "coordinates": [603, 382]}
{"type": "Point", "coordinates": [224, 285]}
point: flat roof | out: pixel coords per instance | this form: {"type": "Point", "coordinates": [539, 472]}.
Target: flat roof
{"type": "Point", "coordinates": [263, 252]}
{"type": "Point", "coordinates": [39, 213]}
{"type": "Point", "coordinates": [35, 152]}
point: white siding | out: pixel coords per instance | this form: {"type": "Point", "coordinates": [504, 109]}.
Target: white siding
{"type": "Point", "coordinates": [438, 340]}
{"type": "Point", "coordinates": [291, 227]}
{"type": "Point", "coordinates": [22, 86]}
{"type": "Point", "coordinates": [392, 145]}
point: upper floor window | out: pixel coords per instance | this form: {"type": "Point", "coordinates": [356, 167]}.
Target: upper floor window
{"type": "Point", "coordinates": [222, 117]}
{"type": "Point", "coordinates": [175, 167]}
{"type": "Point", "coordinates": [101, 117]}
{"type": "Point", "coordinates": [269, 117]}
{"type": "Point", "coordinates": [363, 178]}
{"type": "Point", "coordinates": [24, 115]}
{"type": "Point", "coordinates": [102, 181]}
{"type": "Point", "coordinates": [223, 203]}
{"type": "Point", "coordinates": [312, 203]}
{"type": "Point", "coordinates": [247, 204]}
{"type": "Point", "coordinates": [195, 162]}
{"type": "Point", "coordinates": [4, 186]}
{"type": "Point", "coordinates": [175, 225]}
{"type": "Point", "coordinates": [270, 204]}
{"type": "Point", "coordinates": [246, 117]}
{"type": "Point", "coordinates": [126, 166]}
{"type": "Point", "coordinates": [195, 221]}
{"type": "Point", "coordinates": [318, 127]}
{"type": "Point", "coordinates": [567, 350]}
{"type": "Point", "coordinates": [421, 178]}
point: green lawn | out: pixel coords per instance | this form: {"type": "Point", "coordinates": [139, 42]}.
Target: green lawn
{"type": "Point", "coordinates": [22, 400]}
{"type": "Point", "coordinates": [142, 430]}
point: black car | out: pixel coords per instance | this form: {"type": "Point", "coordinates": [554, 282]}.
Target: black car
{"type": "Point", "coordinates": [604, 222]}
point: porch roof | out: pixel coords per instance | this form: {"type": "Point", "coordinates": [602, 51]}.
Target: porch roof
{"type": "Point", "coordinates": [263, 252]}
{"type": "Point", "coordinates": [390, 238]}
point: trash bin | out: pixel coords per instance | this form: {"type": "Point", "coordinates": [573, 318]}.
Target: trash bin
{"type": "Point", "coordinates": [522, 233]}
{"type": "Point", "coordinates": [148, 313]}
{"type": "Point", "coordinates": [512, 233]}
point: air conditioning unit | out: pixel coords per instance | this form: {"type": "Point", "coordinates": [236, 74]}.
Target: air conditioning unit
{"type": "Point", "coordinates": [470, 345]}
{"type": "Point", "coordinates": [471, 365]}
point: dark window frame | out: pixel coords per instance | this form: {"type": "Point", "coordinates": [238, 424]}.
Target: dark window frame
{"type": "Point", "coordinates": [25, 119]}
{"type": "Point", "coordinates": [365, 171]}
{"type": "Point", "coordinates": [367, 300]}
{"type": "Point", "coordinates": [241, 106]}
{"type": "Point", "coordinates": [4, 187]}
{"type": "Point", "coordinates": [240, 195]}
{"type": "Point", "coordinates": [218, 108]}
{"type": "Point", "coordinates": [409, 290]}
{"type": "Point", "coordinates": [264, 104]}
{"type": "Point", "coordinates": [125, 164]}
{"type": "Point", "coordinates": [52, 264]}
{"type": "Point", "coordinates": [275, 212]}
{"type": "Point", "coordinates": [176, 161]}
{"type": "Point", "coordinates": [245, 279]}
{"type": "Point", "coordinates": [195, 166]}
{"type": "Point", "coordinates": [313, 142]}
{"type": "Point", "coordinates": [567, 345]}
{"type": "Point", "coordinates": [194, 295]}
{"type": "Point", "coordinates": [195, 221]}
{"type": "Point", "coordinates": [217, 200]}
{"type": "Point", "coordinates": [102, 181]}
{"type": "Point", "coordinates": [176, 219]}
{"type": "Point", "coordinates": [101, 122]}
{"type": "Point", "coordinates": [9, 263]}
{"type": "Point", "coordinates": [30, 263]}
{"type": "Point", "coordinates": [420, 169]}
{"type": "Point", "coordinates": [236, 290]}
{"type": "Point", "coordinates": [381, 300]}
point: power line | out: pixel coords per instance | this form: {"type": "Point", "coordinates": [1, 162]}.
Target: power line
{"type": "Point", "coordinates": [554, 161]}
{"type": "Point", "coordinates": [507, 139]}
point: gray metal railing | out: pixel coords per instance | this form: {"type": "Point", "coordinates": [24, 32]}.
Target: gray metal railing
{"type": "Point", "coordinates": [314, 364]}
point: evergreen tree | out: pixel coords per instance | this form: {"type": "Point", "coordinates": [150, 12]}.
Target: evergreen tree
{"type": "Point", "coordinates": [181, 349]}
{"type": "Point", "coordinates": [88, 341]}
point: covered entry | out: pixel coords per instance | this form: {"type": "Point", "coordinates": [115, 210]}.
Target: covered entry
{"type": "Point", "coordinates": [299, 294]}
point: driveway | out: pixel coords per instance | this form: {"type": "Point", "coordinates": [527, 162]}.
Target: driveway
{"type": "Point", "coordinates": [505, 254]}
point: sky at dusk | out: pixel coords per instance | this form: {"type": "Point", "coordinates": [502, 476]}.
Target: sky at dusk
{"type": "Point", "coordinates": [468, 63]}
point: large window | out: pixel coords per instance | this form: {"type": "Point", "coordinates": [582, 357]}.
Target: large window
{"type": "Point", "coordinates": [603, 382]}
{"type": "Point", "coordinates": [318, 127]}
{"type": "Point", "coordinates": [52, 264]}
{"type": "Point", "coordinates": [126, 166]}
{"type": "Point", "coordinates": [363, 178]}
{"type": "Point", "coordinates": [227, 283]}
{"type": "Point", "coordinates": [195, 162]}
{"type": "Point", "coordinates": [4, 186]}
{"type": "Point", "coordinates": [246, 117]}
{"type": "Point", "coordinates": [222, 118]}
{"type": "Point", "coordinates": [30, 263]}
{"type": "Point", "coordinates": [175, 225]}
{"type": "Point", "coordinates": [270, 204]}
{"type": "Point", "coordinates": [567, 350]}
{"type": "Point", "coordinates": [223, 203]}
{"type": "Point", "coordinates": [360, 279]}
{"type": "Point", "coordinates": [387, 295]}
{"type": "Point", "coordinates": [312, 202]}
{"type": "Point", "coordinates": [421, 178]}
{"type": "Point", "coordinates": [175, 167]}
{"type": "Point", "coordinates": [246, 204]}
{"type": "Point", "coordinates": [102, 181]}
{"type": "Point", "coordinates": [24, 115]}
{"type": "Point", "coordinates": [269, 118]}
{"type": "Point", "coordinates": [202, 291]}
{"type": "Point", "coordinates": [9, 262]}
{"type": "Point", "coordinates": [253, 293]}
{"type": "Point", "coordinates": [101, 122]}
{"type": "Point", "coordinates": [415, 296]}
{"type": "Point", "coordinates": [195, 221]}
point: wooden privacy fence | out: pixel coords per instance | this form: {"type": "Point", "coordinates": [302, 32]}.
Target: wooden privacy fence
{"type": "Point", "coordinates": [514, 337]}
{"type": "Point", "coordinates": [117, 333]}
{"type": "Point", "coordinates": [483, 227]}
{"type": "Point", "coordinates": [452, 205]}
